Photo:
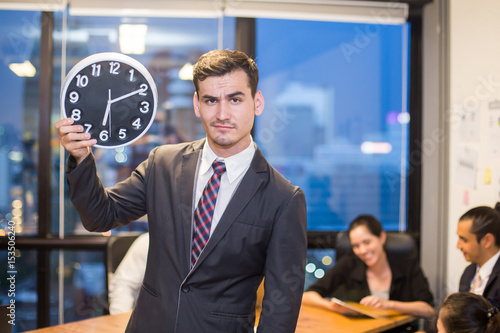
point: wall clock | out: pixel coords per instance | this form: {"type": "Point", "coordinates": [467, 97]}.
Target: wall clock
{"type": "Point", "coordinates": [112, 96]}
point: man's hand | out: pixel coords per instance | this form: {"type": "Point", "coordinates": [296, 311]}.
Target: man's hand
{"type": "Point", "coordinates": [73, 139]}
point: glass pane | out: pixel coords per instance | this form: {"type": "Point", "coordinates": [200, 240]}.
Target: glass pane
{"type": "Point", "coordinates": [170, 45]}
{"type": "Point", "coordinates": [19, 69]}
{"type": "Point", "coordinates": [85, 291]}
{"type": "Point", "coordinates": [318, 262]}
{"type": "Point", "coordinates": [336, 120]}
{"type": "Point", "coordinates": [22, 289]}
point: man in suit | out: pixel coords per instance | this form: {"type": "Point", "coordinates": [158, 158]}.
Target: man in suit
{"type": "Point", "coordinates": [258, 227]}
{"type": "Point", "coordinates": [479, 240]}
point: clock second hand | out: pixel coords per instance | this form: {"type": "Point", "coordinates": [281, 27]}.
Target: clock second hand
{"type": "Point", "coordinates": [108, 107]}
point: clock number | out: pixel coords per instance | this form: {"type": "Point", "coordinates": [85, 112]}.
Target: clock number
{"type": "Point", "coordinates": [76, 114]}
{"type": "Point", "coordinates": [144, 107]}
{"type": "Point", "coordinates": [131, 75]}
{"type": "Point", "coordinates": [144, 88]}
{"type": "Point", "coordinates": [137, 123]}
{"type": "Point", "coordinates": [82, 80]}
{"type": "Point", "coordinates": [114, 67]}
{"type": "Point", "coordinates": [74, 97]}
{"type": "Point", "coordinates": [104, 136]}
{"type": "Point", "coordinates": [122, 134]}
{"type": "Point", "coordinates": [88, 127]}
{"type": "Point", "coordinates": [96, 70]}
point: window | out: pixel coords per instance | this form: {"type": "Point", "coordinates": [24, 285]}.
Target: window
{"type": "Point", "coordinates": [19, 70]}
{"type": "Point", "coordinates": [336, 120]}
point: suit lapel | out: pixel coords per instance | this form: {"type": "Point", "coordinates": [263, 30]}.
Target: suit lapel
{"type": "Point", "coordinates": [493, 276]}
{"type": "Point", "coordinates": [244, 193]}
{"type": "Point", "coordinates": [189, 164]}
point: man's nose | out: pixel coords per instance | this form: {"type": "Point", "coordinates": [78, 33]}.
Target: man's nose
{"type": "Point", "coordinates": [223, 111]}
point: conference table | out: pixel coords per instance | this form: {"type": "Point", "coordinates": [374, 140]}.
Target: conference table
{"type": "Point", "coordinates": [311, 320]}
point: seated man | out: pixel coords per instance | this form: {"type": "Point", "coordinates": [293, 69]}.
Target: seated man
{"type": "Point", "coordinates": [479, 240]}
{"type": "Point", "coordinates": [127, 280]}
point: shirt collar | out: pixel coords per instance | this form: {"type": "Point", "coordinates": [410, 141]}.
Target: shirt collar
{"type": "Point", "coordinates": [235, 164]}
{"type": "Point", "coordinates": [487, 268]}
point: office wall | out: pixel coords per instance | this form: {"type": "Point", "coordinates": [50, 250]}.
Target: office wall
{"type": "Point", "coordinates": [474, 84]}
{"type": "Point", "coordinates": [461, 80]}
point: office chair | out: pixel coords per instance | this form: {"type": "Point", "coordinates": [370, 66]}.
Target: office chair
{"type": "Point", "coordinates": [116, 249]}
{"type": "Point", "coordinates": [399, 243]}
{"type": "Point", "coordinates": [4, 320]}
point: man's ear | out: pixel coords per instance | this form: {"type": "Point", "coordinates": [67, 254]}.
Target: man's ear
{"type": "Point", "coordinates": [196, 105]}
{"type": "Point", "coordinates": [488, 240]}
{"type": "Point", "coordinates": [259, 103]}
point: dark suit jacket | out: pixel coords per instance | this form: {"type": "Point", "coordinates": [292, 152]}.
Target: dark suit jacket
{"type": "Point", "coordinates": [261, 233]}
{"type": "Point", "coordinates": [492, 289]}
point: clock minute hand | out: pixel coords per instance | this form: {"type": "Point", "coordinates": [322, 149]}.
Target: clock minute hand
{"type": "Point", "coordinates": [108, 107]}
{"type": "Point", "coordinates": [127, 95]}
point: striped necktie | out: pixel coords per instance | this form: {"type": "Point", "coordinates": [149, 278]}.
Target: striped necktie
{"type": "Point", "coordinates": [204, 212]}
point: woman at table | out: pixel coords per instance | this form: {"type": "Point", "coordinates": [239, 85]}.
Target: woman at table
{"type": "Point", "coordinates": [372, 276]}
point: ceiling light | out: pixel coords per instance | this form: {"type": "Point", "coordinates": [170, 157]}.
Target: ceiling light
{"type": "Point", "coordinates": [133, 38]}
{"type": "Point", "coordinates": [25, 69]}
{"type": "Point", "coordinates": [186, 72]}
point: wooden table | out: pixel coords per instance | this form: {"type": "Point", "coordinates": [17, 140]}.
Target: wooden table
{"type": "Point", "coordinates": [311, 320]}
{"type": "Point", "coordinates": [315, 320]}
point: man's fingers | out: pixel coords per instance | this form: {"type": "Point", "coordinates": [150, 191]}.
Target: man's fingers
{"type": "Point", "coordinates": [64, 122]}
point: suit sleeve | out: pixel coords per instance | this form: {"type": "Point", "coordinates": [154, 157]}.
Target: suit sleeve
{"type": "Point", "coordinates": [102, 209]}
{"type": "Point", "coordinates": [285, 268]}
{"type": "Point", "coordinates": [420, 285]}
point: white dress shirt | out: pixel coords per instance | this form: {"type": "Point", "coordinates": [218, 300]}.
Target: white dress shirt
{"type": "Point", "coordinates": [484, 273]}
{"type": "Point", "coordinates": [127, 280]}
{"type": "Point", "coordinates": [236, 167]}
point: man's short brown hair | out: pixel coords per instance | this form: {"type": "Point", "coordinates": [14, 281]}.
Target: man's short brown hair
{"type": "Point", "coordinates": [222, 62]}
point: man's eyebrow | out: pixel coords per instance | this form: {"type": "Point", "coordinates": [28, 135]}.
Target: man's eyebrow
{"type": "Point", "coordinates": [231, 95]}
{"type": "Point", "coordinates": [236, 93]}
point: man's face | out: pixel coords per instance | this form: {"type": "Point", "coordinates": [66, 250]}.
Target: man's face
{"type": "Point", "coordinates": [468, 244]}
{"type": "Point", "coordinates": [227, 110]}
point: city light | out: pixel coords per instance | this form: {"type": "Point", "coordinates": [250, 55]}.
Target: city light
{"type": "Point", "coordinates": [327, 260]}
{"type": "Point", "coordinates": [369, 147]}
{"type": "Point", "coordinates": [17, 203]}
{"type": "Point", "coordinates": [25, 69]}
{"type": "Point", "coordinates": [16, 156]}
{"type": "Point", "coordinates": [319, 273]}
{"type": "Point", "coordinates": [310, 267]}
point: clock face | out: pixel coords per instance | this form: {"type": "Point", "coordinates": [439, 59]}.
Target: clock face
{"type": "Point", "coordinates": [112, 96]}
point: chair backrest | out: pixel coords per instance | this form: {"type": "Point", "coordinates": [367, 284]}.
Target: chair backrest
{"type": "Point", "coordinates": [117, 248]}
{"type": "Point", "coordinates": [398, 243]}
{"type": "Point", "coordinates": [5, 326]}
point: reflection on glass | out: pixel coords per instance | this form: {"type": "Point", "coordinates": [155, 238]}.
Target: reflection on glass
{"type": "Point", "coordinates": [19, 62]}
{"type": "Point", "coordinates": [335, 94]}
{"type": "Point", "coordinates": [24, 289]}
{"type": "Point", "coordinates": [85, 292]}
{"type": "Point", "coordinates": [171, 44]}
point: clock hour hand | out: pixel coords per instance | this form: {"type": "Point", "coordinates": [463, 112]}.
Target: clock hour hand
{"type": "Point", "coordinates": [127, 95]}
{"type": "Point", "coordinates": [108, 108]}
